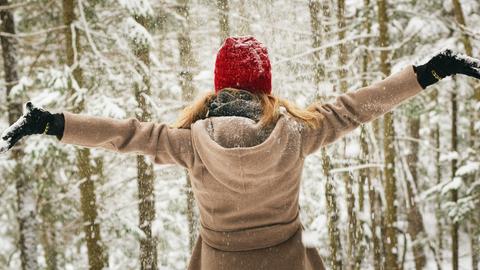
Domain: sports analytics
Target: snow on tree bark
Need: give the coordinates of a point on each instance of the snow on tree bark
(49, 234)
(223, 19)
(352, 227)
(438, 178)
(97, 258)
(145, 173)
(314, 7)
(25, 186)
(244, 28)
(364, 175)
(391, 247)
(334, 236)
(415, 229)
(474, 231)
(453, 193)
(188, 92)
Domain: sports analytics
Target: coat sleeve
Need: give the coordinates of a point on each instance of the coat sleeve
(351, 109)
(166, 145)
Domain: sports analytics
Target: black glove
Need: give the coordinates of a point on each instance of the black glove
(445, 64)
(33, 121)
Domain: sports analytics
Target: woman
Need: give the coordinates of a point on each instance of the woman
(244, 152)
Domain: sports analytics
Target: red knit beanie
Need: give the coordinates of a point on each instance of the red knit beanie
(242, 63)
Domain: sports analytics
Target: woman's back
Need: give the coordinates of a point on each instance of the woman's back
(246, 188)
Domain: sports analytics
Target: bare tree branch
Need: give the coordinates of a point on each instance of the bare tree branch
(31, 34)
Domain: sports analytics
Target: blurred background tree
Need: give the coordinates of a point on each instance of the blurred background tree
(399, 193)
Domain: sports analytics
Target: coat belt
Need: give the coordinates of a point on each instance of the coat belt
(251, 238)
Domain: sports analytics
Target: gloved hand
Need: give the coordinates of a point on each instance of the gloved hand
(33, 121)
(446, 63)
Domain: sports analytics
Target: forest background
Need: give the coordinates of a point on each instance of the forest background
(402, 192)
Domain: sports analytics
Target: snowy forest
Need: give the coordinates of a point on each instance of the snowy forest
(402, 192)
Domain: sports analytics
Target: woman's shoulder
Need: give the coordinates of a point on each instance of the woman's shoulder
(293, 122)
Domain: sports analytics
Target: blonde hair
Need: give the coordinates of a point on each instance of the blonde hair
(270, 110)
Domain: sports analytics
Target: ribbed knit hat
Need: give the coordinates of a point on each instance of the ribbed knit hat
(242, 63)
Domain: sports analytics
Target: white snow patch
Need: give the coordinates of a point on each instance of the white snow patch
(415, 25)
(137, 7)
(3, 146)
(325, 89)
(131, 228)
(137, 33)
(21, 121)
(449, 156)
(468, 168)
(158, 227)
(474, 63)
(455, 184)
(45, 98)
(28, 204)
(352, 149)
(108, 107)
(20, 87)
(204, 75)
(310, 239)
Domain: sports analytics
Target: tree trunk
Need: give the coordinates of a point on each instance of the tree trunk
(96, 257)
(25, 186)
(438, 177)
(391, 247)
(327, 14)
(364, 175)
(474, 233)
(457, 8)
(454, 194)
(374, 211)
(145, 173)
(318, 72)
(332, 212)
(244, 28)
(335, 247)
(342, 47)
(363, 132)
(188, 91)
(223, 10)
(474, 240)
(352, 229)
(415, 218)
(49, 233)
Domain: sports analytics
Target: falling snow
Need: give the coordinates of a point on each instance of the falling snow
(50, 210)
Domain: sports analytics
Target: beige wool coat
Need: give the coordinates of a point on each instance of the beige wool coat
(246, 188)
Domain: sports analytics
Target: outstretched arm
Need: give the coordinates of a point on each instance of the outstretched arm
(351, 109)
(366, 104)
(167, 145)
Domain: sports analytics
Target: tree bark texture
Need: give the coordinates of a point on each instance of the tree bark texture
(391, 247)
(188, 92)
(223, 19)
(97, 258)
(415, 228)
(475, 116)
(335, 245)
(25, 186)
(145, 173)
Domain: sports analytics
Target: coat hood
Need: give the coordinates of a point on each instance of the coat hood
(241, 154)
